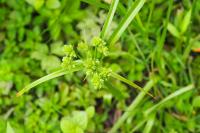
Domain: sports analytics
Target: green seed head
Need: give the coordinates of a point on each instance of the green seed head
(91, 64)
(97, 81)
(103, 50)
(105, 73)
(97, 41)
(66, 62)
(83, 47)
(69, 51)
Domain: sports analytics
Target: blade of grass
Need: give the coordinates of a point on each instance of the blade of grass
(171, 96)
(173, 30)
(114, 91)
(9, 129)
(186, 21)
(161, 39)
(132, 12)
(109, 18)
(46, 78)
(121, 10)
(138, 126)
(149, 124)
(117, 76)
(41, 80)
(131, 107)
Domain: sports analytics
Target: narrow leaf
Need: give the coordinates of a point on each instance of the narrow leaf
(9, 129)
(117, 76)
(132, 107)
(173, 30)
(186, 21)
(149, 124)
(114, 91)
(132, 12)
(109, 18)
(46, 78)
(171, 96)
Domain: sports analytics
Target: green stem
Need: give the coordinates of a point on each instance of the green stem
(131, 108)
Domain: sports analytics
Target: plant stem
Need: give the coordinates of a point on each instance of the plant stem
(131, 108)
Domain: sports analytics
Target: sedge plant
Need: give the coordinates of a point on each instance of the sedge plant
(88, 57)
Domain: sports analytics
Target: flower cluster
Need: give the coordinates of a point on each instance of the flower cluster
(100, 45)
(70, 54)
(96, 72)
(93, 67)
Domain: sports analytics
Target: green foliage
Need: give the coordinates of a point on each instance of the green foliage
(9, 129)
(93, 53)
(196, 102)
(77, 122)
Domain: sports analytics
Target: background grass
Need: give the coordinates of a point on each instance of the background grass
(159, 45)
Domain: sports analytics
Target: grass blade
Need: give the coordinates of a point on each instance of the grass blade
(109, 18)
(114, 91)
(41, 80)
(46, 78)
(173, 30)
(9, 129)
(117, 76)
(131, 108)
(138, 126)
(171, 96)
(186, 21)
(161, 39)
(149, 124)
(135, 8)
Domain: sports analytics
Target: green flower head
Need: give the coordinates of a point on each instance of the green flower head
(97, 41)
(97, 81)
(69, 51)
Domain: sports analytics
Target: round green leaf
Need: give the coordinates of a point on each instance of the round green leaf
(68, 126)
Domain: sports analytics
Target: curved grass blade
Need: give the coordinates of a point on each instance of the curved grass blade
(114, 91)
(132, 107)
(117, 76)
(109, 18)
(132, 12)
(171, 96)
(46, 78)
